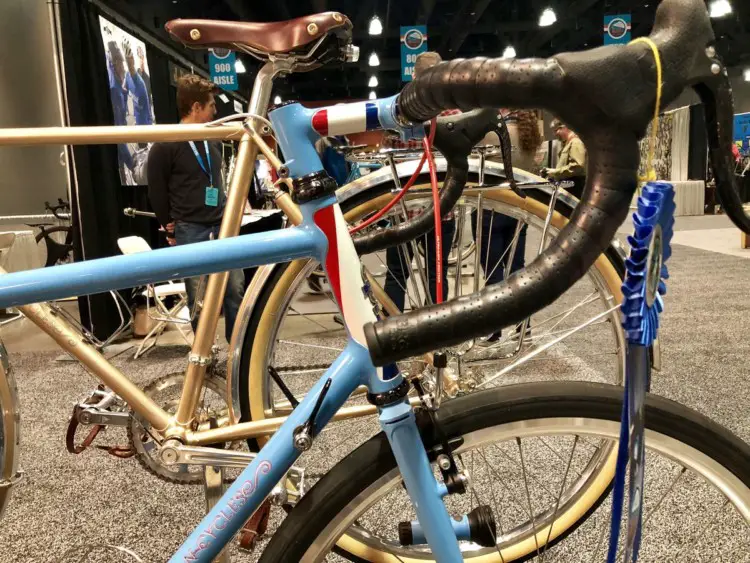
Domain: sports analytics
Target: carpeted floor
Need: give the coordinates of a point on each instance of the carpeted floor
(69, 501)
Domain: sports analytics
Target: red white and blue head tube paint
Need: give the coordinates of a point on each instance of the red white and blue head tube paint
(297, 128)
(346, 118)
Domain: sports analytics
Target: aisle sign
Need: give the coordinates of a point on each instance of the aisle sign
(223, 73)
(413, 43)
(617, 29)
(742, 131)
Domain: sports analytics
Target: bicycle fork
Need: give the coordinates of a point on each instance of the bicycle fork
(400, 427)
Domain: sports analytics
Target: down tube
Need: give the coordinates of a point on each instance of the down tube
(247, 493)
(133, 270)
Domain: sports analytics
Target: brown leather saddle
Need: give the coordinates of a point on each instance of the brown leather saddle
(272, 38)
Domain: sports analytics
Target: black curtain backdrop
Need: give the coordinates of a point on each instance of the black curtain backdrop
(98, 201)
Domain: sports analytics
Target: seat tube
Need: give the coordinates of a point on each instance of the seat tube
(399, 424)
(230, 227)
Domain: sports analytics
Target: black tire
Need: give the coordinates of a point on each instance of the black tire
(561, 207)
(477, 411)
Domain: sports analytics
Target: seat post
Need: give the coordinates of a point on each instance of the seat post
(261, 95)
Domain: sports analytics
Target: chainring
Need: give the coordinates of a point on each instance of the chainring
(166, 391)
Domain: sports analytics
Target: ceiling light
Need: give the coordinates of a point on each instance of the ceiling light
(547, 18)
(277, 100)
(509, 53)
(239, 66)
(746, 74)
(720, 8)
(373, 82)
(373, 95)
(374, 60)
(376, 27)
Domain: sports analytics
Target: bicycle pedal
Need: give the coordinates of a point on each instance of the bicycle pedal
(255, 527)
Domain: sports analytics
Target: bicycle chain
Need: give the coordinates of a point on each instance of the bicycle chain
(139, 457)
(308, 367)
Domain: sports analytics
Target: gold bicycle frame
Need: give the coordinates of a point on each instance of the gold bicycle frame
(71, 340)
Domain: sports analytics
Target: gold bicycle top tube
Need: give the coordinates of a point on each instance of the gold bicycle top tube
(113, 134)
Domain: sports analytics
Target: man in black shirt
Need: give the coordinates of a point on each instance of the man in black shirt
(186, 189)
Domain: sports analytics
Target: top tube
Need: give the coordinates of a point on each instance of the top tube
(298, 128)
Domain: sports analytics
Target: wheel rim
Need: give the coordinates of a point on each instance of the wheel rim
(603, 279)
(262, 401)
(681, 462)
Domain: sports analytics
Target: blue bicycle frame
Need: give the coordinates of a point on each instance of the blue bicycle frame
(323, 235)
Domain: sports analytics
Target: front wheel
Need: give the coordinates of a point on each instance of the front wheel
(530, 451)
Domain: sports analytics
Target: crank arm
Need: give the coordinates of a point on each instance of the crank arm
(289, 490)
(197, 455)
(103, 417)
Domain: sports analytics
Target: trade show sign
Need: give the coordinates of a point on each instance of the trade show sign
(223, 73)
(617, 29)
(742, 131)
(413, 43)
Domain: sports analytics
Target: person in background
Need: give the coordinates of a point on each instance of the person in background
(142, 72)
(138, 90)
(186, 188)
(526, 138)
(571, 162)
(118, 93)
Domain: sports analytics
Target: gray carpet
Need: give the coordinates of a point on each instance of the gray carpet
(70, 501)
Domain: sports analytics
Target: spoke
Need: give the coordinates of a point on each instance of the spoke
(502, 481)
(489, 243)
(513, 333)
(305, 345)
(742, 548)
(553, 450)
(559, 497)
(460, 221)
(308, 318)
(600, 541)
(489, 361)
(541, 484)
(538, 351)
(528, 495)
(399, 249)
(513, 243)
(494, 503)
(702, 532)
(594, 296)
(682, 472)
(535, 339)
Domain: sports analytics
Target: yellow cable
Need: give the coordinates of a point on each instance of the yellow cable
(650, 170)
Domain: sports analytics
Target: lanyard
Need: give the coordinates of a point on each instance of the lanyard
(200, 160)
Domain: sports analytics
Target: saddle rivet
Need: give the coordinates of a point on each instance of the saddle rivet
(195, 34)
(338, 17)
(312, 29)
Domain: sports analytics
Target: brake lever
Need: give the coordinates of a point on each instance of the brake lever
(506, 150)
(716, 96)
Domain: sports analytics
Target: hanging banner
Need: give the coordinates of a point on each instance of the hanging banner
(617, 29)
(223, 73)
(742, 131)
(413, 43)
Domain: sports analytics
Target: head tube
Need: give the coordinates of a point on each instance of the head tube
(298, 128)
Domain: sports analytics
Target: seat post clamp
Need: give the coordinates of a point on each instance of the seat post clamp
(199, 360)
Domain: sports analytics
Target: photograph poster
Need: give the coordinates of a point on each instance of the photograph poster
(130, 92)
